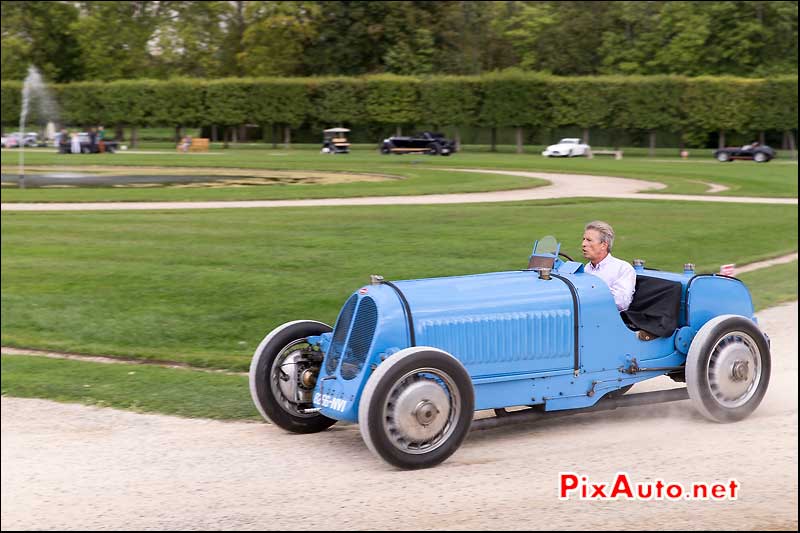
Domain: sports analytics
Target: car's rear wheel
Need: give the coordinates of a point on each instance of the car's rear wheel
(416, 408)
(760, 157)
(433, 149)
(284, 363)
(728, 368)
(385, 150)
(723, 157)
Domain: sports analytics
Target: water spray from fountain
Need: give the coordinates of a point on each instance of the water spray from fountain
(34, 92)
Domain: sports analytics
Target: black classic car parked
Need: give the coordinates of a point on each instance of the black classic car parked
(64, 145)
(760, 153)
(424, 143)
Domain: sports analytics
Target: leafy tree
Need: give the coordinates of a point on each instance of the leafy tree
(231, 45)
(40, 33)
(275, 37)
(522, 24)
(349, 39)
(188, 37)
(413, 56)
(114, 38)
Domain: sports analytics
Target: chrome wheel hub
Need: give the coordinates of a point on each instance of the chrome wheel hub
(734, 369)
(421, 410)
(292, 379)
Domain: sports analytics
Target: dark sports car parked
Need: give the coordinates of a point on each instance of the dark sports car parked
(757, 152)
(424, 143)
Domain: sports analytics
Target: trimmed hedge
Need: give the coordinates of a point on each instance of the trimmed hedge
(694, 106)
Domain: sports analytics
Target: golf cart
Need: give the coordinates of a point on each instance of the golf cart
(335, 141)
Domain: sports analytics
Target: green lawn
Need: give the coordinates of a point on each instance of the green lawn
(773, 285)
(203, 287)
(142, 388)
(777, 178)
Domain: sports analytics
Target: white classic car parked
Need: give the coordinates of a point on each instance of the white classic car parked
(567, 148)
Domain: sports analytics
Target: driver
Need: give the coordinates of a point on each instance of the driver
(598, 238)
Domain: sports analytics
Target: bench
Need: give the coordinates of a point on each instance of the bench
(616, 153)
(199, 144)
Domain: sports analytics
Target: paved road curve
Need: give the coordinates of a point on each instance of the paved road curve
(562, 186)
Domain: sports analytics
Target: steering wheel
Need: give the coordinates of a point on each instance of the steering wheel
(568, 258)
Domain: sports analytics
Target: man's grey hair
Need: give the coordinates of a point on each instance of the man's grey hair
(605, 230)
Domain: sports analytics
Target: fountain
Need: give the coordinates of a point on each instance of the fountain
(34, 92)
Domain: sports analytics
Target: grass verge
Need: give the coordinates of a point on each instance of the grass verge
(772, 285)
(140, 388)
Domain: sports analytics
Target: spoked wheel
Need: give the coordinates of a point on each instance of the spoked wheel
(283, 373)
(728, 368)
(723, 157)
(417, 407)
(760, 157)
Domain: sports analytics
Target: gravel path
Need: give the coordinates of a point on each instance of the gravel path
(562, 186)
(72, 467)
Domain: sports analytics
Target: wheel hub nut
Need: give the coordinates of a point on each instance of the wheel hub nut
(308, 378)
(426, 412)
(740, 371)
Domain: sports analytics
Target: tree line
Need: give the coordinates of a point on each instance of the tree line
(694, 107)
(87, 40)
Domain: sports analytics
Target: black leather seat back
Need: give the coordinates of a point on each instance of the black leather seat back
(656, 306)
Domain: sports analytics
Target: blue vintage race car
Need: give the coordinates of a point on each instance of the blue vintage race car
(411, 361)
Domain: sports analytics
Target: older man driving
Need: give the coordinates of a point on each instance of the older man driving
(598, 239)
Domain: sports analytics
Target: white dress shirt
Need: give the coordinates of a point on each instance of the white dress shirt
(619, 276)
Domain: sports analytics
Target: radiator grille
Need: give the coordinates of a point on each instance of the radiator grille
(340, 335)
(360, 338)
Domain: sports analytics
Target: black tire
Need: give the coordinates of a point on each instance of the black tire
(723, 157)
(760, 157)
(412, 385)
(266, 394)
(434, 149)
(385, 150)
(728, 368)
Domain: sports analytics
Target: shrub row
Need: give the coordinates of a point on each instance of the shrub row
(693, 106)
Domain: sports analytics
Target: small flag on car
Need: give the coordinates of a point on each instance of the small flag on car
(727, 270)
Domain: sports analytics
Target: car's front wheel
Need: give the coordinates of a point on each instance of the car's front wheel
(283, 373)
(728, 368)
(723, 157)
(416, 408)
(760, 157)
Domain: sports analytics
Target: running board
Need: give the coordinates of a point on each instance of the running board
(606, 404)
